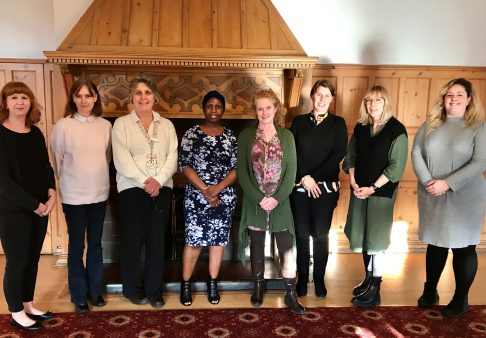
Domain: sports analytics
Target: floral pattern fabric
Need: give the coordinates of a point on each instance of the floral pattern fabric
(266, 158)
(212, 157)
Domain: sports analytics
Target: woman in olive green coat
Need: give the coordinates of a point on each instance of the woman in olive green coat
(266, 172)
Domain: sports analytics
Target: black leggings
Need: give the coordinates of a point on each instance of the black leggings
(464, 264)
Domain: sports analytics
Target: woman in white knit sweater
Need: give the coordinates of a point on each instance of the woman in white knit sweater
(81, 143)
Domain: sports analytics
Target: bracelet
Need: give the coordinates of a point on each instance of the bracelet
(374, 187)
(207, 187)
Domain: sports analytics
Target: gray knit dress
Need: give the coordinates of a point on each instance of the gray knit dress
(457, 154)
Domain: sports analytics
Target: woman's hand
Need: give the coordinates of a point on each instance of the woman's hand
(268, 203)
(311, 186)
(364, 192)
(437, 187)
(50, 205)
(152, 187)
(41, 209)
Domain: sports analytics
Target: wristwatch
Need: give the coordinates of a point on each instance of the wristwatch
(374, 187)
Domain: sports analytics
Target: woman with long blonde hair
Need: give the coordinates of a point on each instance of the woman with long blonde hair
(449, 157)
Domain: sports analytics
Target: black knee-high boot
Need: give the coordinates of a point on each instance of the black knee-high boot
(257, 257)
(291, 297)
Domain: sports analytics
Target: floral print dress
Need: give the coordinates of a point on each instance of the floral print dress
(266, 158)
(212, 157)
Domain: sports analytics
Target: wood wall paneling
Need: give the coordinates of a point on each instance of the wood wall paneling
(414, 91)
(199, 18)
(170, 23)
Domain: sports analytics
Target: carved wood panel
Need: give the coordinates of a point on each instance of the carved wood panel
(182, 92)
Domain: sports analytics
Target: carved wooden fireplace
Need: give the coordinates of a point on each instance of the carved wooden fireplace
(189, 47)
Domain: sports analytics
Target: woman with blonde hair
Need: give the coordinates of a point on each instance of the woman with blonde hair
(266, 172)
(375, 161)
(449, 157)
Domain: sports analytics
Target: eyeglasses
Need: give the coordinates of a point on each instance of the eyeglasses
(378, 100)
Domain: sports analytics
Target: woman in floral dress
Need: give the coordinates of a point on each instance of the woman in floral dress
(208, 161)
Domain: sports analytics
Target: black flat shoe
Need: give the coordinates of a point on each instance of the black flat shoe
(44, 316)
(97, 301)
(81, 308)
(157, 302)
(34, 327)
(139, 301)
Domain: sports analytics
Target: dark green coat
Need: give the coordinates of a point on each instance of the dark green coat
(252, 214)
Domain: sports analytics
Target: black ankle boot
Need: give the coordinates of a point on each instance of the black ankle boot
(212, 289)
(429, 296)
(458, 307)
(291, 297)
(319, 286)
(301, 287)
(185, 293)
(360, 288)
(371, 296)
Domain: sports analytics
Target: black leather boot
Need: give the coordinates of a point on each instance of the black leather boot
(429, 297)
(185, 293)
(291, 297)
(301, 287)
(371, 296)
(257, 257)
(212, 289)
(360, 288)
(458, 307)
(319, 286)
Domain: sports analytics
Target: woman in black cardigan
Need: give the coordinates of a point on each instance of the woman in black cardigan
(27, 196)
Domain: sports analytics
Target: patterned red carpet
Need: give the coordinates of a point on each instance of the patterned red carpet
(379, 322)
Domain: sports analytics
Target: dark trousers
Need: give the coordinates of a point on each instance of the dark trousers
(144, 220)
(312, 217)
(22, 234)
(85, 220)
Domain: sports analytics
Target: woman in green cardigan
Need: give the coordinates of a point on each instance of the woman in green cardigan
(266, 172)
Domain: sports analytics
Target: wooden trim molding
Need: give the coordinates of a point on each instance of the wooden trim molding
(271, 62)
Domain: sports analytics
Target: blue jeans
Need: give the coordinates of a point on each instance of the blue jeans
(84, 219)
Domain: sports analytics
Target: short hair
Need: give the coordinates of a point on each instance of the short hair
(71, 107)
(149, 82)
(364, 117)
(323, 83)
(270, 94)
(213, 94)
(474, 109)
(17, 87)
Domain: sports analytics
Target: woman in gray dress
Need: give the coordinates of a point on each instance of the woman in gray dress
(449, 157)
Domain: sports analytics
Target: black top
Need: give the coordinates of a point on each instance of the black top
(320, 148)
(26, 174)
(372, 154)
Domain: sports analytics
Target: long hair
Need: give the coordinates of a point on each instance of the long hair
(474, 109)
(71, 108)
(364, 117)
(16, 87)
(148, 81)
(267, 93)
